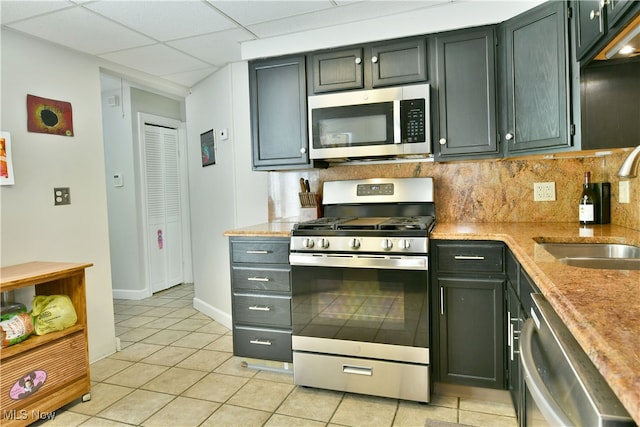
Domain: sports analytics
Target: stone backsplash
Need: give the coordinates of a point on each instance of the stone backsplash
(482, 191)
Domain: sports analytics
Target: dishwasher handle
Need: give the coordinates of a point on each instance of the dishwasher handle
(549, 408)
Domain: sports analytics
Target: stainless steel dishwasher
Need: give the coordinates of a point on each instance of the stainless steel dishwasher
(562, 386)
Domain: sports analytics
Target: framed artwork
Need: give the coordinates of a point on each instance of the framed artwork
(6, 165)
(207, 148)
(49, 116)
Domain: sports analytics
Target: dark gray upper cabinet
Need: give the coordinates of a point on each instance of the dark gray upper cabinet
(387, 63)
(589, 25)
(278, 100)
(597, 22)
(466, 87)
(536, 81)
(616, 9)
(399, 62)
(338, 70)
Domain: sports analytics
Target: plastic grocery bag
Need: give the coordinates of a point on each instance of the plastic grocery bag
(52, 313)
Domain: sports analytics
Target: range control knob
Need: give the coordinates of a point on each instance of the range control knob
(307, 243)
(404, 244)
(386, 244)
(323, 243)
(354, 244)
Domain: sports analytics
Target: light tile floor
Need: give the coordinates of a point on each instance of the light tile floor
(176, 368)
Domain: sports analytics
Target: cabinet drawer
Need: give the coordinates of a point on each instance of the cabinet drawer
(265, 252)
(259, 343)
(262, 310)
(473, 257)
(49, 368)
(261, 278)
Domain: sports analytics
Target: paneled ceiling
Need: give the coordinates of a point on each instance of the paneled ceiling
(185, 41)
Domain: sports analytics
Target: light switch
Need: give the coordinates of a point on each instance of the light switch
(224, 134)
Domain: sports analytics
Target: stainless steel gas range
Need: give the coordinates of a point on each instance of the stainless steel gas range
(360, 306)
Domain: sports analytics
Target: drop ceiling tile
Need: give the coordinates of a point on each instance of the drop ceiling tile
(157, 60)
(352, 12)
(190, 78)
(165, 20)
(82, 30)
(11, 10)
(218, 48)
(253, 12)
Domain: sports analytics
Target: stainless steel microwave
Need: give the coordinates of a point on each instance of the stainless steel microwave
(392, 122)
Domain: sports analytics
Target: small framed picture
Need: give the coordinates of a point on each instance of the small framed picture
(6, 164)
(207, 148)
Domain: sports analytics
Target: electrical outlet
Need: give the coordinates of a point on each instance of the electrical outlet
(623, 188)
(544, 191)
(61, 196)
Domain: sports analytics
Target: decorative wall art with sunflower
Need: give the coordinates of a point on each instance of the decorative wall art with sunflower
(49, 116)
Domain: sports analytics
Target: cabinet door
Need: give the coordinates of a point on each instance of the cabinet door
(279, 113)
(466, 84)
(589, 25)
(616, 9)
(471, 331)
(399, 62)
(337, 70)
(537, 80)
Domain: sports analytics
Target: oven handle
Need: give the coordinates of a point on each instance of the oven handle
(549, 408)
(418, 262)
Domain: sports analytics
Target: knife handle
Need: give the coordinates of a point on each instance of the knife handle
(303, 187)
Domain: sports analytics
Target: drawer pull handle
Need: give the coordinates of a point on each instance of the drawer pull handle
(260, 342)
(257, 252)
(260, 308)
(357, 370)
(258, 279)
(469, 257)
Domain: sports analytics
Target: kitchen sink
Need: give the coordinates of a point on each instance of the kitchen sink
(613, 256)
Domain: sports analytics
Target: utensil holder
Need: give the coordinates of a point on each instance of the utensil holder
(310, 206)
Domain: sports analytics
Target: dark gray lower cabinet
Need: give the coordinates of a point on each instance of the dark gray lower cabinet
(469, 312)
(261, 298)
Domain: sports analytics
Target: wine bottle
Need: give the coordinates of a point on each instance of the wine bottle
(587, 202)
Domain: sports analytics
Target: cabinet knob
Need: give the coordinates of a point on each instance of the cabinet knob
(358, 61)
(443, 141)
(594, 14)
(508, 136)
(374, 59)
(303, 150)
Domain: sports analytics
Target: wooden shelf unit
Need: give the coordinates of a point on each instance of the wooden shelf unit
(63, 355)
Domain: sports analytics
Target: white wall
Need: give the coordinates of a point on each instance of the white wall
(226, 195)
(32, 228)
(121, 148)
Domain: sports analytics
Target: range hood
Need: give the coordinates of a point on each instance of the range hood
(625, 45)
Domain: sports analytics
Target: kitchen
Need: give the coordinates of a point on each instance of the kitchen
(31, 236)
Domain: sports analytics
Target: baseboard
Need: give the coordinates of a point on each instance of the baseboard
(129, 294)
(213, 312)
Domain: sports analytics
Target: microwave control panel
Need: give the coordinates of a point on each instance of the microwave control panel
(412, 113)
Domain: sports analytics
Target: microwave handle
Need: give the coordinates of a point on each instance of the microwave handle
(397, 127)
(548, 406)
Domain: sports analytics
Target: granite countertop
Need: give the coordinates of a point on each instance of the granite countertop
(268, 229)
(600, 307)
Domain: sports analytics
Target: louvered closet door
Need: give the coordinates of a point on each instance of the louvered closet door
(164, 216)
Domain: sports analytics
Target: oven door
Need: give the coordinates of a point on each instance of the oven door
(381, 303)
